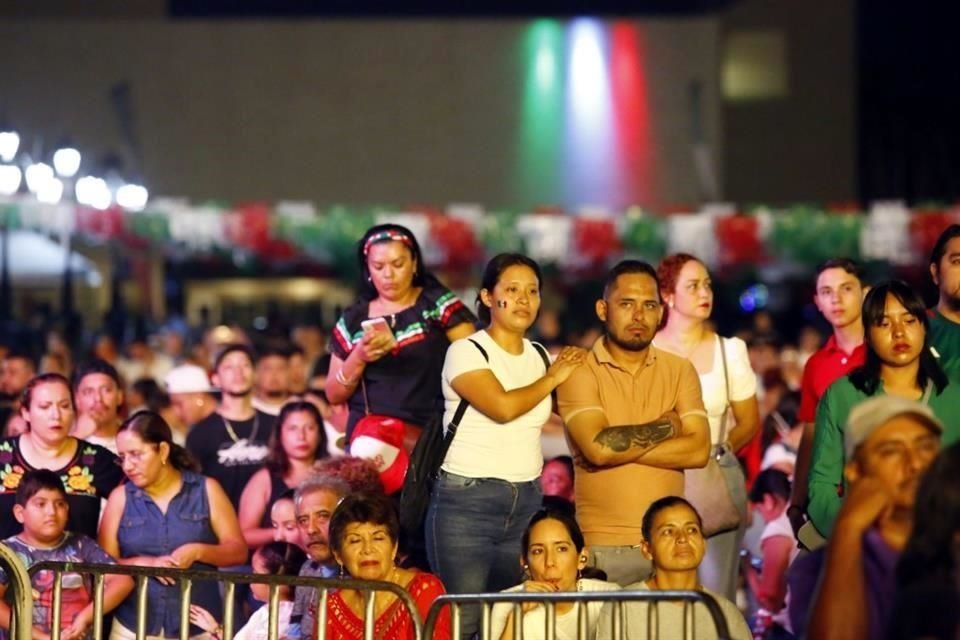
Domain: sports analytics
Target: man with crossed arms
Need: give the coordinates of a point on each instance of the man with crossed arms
(635, 420)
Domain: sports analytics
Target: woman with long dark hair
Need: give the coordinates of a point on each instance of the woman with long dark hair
(388, 347)
(297, 442)
(167, 515)
(898, 362)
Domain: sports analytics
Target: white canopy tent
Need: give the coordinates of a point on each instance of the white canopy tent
(38, 261)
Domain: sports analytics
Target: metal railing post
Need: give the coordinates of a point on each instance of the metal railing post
(21, 591)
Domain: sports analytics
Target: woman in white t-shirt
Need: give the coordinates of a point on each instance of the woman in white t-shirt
(488, 486)
(770, 496)
(553, 555)
(722, 364)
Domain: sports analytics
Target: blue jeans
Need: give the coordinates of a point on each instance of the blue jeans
(473, 530)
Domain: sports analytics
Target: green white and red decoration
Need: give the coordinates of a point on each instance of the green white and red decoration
(462, 236)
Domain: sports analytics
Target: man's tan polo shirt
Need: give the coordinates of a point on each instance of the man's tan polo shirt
(611, 501)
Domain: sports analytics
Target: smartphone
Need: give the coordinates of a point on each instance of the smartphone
(377, 325)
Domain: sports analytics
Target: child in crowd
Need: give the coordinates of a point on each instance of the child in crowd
(272, 559)
(41, 507)
(283, 519)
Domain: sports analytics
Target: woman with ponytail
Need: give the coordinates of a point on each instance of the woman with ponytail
(167, 515)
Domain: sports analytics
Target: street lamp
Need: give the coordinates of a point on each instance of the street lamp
(50, 191)
(93, 192)
(66, 161)
(9, 143)
(132, 197)
(10, 178)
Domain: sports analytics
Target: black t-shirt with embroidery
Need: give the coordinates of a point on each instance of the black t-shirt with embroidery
(405, 383)
(231, 458)
(90, 475)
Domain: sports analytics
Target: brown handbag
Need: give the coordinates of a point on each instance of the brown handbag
(706, 488)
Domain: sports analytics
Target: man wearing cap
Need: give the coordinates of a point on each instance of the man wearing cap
(889, 442)
(191, 396)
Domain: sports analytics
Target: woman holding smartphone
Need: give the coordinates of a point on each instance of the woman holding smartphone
(388, 347)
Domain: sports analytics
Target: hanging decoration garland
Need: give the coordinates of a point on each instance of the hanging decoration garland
(465, 236)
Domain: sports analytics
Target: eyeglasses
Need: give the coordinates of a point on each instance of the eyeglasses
(133, 456)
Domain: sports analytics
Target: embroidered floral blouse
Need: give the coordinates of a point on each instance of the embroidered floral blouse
(90, 475)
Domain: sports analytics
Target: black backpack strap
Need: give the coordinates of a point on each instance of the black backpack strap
(543, 354)
(462, 407)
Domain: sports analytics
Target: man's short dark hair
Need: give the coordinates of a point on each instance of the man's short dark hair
(233, 348)
(272, 351)
(95, 366)
(627, 267)
(940, 248)
(36, 480)
(16, 353)
(849, 265)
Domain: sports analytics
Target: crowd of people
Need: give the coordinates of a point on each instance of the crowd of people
(808, 490)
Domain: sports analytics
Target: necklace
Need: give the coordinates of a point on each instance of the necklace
(233, 434)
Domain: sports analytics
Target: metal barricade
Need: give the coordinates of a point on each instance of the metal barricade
(616, 599)
(186, 578)
(20, 591)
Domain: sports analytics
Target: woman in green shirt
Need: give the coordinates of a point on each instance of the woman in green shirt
(898, 362)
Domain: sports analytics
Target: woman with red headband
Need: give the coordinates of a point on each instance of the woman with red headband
(388, 348)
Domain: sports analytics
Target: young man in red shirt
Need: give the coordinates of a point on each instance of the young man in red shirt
(839, 297)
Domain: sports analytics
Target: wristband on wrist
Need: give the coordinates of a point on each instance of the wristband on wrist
(342, 379)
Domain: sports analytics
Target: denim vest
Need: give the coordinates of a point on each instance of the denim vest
(145, 531)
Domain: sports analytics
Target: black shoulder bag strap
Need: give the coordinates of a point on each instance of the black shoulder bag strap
(543, 354)
(462, 407)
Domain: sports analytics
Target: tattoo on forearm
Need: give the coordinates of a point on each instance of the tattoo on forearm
(635, 436)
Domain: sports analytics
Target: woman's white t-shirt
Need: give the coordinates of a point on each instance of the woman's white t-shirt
(483, 448)
(534, 621)
(743, 383)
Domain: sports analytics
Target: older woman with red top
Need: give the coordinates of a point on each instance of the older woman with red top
(364, 531)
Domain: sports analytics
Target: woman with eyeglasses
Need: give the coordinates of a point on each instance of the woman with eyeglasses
(89, 471)
(166, 516)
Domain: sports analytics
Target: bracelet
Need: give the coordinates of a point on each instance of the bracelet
(218, 632)
(342, 379)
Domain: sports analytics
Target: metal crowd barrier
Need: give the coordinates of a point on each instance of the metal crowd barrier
(22, 595)
(18, 585)
(580, 599)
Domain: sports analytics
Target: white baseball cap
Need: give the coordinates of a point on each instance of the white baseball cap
(188, 378)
